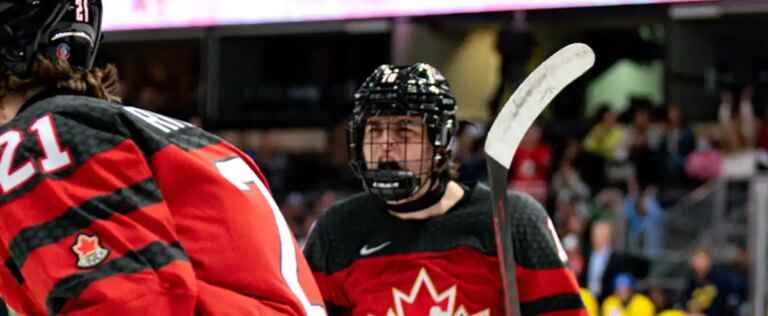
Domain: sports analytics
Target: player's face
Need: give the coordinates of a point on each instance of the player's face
(400, 140)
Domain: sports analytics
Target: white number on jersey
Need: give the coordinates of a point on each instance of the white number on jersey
(560, 250)
(242, 177)
(55, 157)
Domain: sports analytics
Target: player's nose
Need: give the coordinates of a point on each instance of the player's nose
(386, 153)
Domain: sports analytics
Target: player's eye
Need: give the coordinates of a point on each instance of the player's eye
(409, 128)
(404, 131)
(374, 130)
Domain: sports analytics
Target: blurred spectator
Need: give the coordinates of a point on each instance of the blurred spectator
(740, 135)
(645, 224)
(739, 268)
(677, 142)
(762, 141)
(674, 312)
(153, 97)
(589, 302)
(642, 129)
(599, 259)
(762, 136)
(642, 140)
(663, 300)
(739, 127)
(469, 153)
(705, 163)
(294, 209)
(530, 167)
(164, 78)
(326, 200)
(570, 221)
(605, 138)
(263, 149)
(604, 263)
(711, 290)
(566, 181)
(658, 295)
(572, 247)
(154, 92)
(606, 204)
(625, 301)
(323, 201)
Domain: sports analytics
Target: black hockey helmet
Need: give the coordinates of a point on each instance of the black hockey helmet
(60, 30)
(414, 90)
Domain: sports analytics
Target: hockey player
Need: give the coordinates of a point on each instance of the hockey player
(112, 210)
(417, 242)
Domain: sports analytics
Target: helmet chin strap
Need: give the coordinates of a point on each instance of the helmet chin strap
(431, 197)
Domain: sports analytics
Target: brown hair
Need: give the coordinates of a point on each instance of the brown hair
(100, 83)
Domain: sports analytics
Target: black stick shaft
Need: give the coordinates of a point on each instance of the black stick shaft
(497, 177)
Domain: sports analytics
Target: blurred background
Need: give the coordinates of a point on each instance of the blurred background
(652, 165)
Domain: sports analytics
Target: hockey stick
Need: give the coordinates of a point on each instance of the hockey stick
(514, 119)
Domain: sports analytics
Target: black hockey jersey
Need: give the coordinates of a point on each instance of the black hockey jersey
(368, 262)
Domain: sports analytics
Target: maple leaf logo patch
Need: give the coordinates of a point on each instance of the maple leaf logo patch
(89, 251)
(424, 297)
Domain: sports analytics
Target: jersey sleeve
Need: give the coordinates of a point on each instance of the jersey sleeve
(85, 228)
(246, 259)
(546, 286)
(331, 283)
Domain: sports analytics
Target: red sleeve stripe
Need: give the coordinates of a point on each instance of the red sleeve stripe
(122, 201)
(154, 256)
(552, 304)
(540, 283)
(102, 174)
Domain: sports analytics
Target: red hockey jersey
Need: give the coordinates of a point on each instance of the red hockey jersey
(529, 171)
(370, 263)
(111, 210)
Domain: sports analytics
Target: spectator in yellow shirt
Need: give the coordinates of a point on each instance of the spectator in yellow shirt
(606, 138)
(625, 302)
(672, 312)
(589, 302)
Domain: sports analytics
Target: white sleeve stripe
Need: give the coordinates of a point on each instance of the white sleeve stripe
(288, 262)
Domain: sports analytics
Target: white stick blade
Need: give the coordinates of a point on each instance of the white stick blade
(532, 96)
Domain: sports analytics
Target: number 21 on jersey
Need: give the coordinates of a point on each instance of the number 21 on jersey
(55, 157)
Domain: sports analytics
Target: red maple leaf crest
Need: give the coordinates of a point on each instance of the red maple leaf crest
(425, 299)
(86, 245)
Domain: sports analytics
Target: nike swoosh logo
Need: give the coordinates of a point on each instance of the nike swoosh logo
(367, 251)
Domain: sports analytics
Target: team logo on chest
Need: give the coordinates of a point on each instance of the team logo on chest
(424, 299)
(88, 251)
